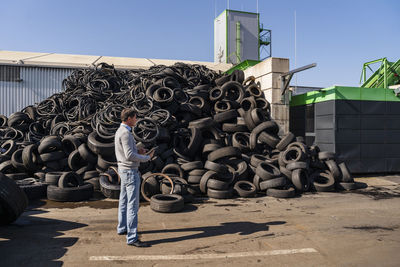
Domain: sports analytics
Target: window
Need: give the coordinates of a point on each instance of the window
(10, 74)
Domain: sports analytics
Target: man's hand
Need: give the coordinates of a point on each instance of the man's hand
(151, 154)
(142, 151)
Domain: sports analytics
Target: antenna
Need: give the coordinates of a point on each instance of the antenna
(215, 9)
(295, 47)
(257, 6)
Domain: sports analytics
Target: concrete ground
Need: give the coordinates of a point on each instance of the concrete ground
(359, 228)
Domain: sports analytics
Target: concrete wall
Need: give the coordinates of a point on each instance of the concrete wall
(268, 74)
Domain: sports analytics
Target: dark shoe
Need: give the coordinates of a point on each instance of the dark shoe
(123, 233)
(139, 244)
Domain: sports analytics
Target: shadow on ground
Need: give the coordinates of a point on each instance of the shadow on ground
(241, 228)
(33, 241)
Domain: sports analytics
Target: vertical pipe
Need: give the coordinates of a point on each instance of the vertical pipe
(238, 56)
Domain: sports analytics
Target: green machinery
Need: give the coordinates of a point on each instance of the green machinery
(387, 74)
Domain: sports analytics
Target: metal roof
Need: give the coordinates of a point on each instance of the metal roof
(85, 61)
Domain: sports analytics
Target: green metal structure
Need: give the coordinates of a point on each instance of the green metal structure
(344, 93)
(387, 74)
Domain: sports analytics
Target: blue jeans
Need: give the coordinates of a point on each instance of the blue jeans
(129, 204)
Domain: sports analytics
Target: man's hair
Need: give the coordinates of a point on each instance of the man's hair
(127, 113)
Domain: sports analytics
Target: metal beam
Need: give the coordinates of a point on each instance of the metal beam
(286, 77)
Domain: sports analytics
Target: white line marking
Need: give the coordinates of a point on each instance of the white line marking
(202, 256)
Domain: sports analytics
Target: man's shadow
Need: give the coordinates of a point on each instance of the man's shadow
(241, 228)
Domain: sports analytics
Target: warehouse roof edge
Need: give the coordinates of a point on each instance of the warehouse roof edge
(55, 60)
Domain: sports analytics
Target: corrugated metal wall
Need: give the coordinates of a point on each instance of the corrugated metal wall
(35, 84)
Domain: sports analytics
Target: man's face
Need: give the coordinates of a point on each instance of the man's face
(131, 121)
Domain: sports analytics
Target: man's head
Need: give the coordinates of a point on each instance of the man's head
(128, 116)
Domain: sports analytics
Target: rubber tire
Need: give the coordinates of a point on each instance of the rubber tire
(327, 185)
(267, 171)
(273, 183)
(297, 165)
(300, 180)
(285, 141)
(51, 178)
(245, 192)
(108, 189)
(167, 203)
(346, 175)
(68, 177)
(281, 193)
(13, 201)
(220, 194)
(70, 194)
(228, 151)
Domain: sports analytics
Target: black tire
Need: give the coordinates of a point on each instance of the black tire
(16, 160)
(34, 191)
(226, 116)
(256, 159)
(266, 126)
(174, 169)
(220, 194)
(167, 203)
(281, 193)
(323, 182)
(217, 184)
(346, 175)
(70, 179)
(204, 180)
(286, 172)
(70, 194)
(9, 146)
(49, 144)
(75, 160)
(108, 189)
(13, 201)
(52, 178)
(233, 127)
(268, 139)
(297, 165)
(245, 189)
(197, 172)
(104, 163)
(273, 183)
(334, 169)
(192, 165)
(70, 143)
(99, 146)
(7, 167)
(30, 157)
(86, 154)
(216, 167)
(292, 154)
(52, 156)
(228, 151)
(90, 174)
(285, 141)
(95, 182)
(267, 171)
(300, 180)
(194, 179)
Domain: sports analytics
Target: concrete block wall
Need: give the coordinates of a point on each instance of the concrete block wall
(268, 73)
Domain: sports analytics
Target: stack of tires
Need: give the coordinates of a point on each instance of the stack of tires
(67, 187)
(212, 134)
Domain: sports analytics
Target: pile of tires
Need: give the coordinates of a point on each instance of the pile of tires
(212, 134)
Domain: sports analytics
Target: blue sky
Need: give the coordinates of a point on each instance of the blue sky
(338, 35)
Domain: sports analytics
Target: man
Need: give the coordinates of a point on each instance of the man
(129, 159)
